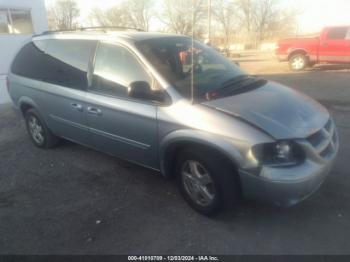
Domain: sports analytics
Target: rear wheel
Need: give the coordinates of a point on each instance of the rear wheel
(206, 181)
(298, 62)
(39, 133)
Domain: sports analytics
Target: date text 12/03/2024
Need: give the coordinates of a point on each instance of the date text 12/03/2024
(173, 258)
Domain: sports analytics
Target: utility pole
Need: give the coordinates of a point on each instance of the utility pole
(192, 56)
(209, 21)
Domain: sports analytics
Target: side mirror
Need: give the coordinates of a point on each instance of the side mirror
(140, 90)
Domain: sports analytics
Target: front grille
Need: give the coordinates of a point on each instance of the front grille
(324, 141)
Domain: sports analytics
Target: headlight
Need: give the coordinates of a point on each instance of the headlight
(278, 153)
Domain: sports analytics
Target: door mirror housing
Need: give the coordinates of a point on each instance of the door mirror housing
(142, 90)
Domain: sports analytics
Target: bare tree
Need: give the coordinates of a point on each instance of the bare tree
(131, 13)
(63, 15)
(271, 20)
(265, 13)
(246, 8)
(139, 12)
(264, 19)
(177, 15)
(284, 24)
(225, 14)
(114, 16)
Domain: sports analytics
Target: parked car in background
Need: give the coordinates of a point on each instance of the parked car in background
(223, 134)
(332, 46)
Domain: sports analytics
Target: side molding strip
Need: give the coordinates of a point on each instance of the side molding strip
(102, 133)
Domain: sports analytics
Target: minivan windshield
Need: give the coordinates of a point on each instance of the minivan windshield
(172, 57)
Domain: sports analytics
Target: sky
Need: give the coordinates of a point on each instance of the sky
(313, 14)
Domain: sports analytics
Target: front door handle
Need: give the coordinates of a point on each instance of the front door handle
(77, 106)
(94, 111)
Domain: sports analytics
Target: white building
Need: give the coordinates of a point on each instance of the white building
(19, 20)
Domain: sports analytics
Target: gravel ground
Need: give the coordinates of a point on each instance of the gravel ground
(73, 200)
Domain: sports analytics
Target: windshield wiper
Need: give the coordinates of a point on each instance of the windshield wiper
(236, 85)
(236, 80)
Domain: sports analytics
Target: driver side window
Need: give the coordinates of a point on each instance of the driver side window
(115, 68)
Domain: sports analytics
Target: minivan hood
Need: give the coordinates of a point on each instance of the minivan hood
(278, 110)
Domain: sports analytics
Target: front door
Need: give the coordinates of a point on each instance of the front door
(335, 46)
(119, 125)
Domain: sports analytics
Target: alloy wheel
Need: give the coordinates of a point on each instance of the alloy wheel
(198, 183)
(298, 63)
(36, 130)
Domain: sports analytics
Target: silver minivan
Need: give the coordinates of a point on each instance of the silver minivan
(176, 106)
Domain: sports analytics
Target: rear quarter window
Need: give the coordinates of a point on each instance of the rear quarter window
(62, 62)
(30, 60)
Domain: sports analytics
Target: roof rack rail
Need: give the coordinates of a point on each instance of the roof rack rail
(109, 28)
(92, 28)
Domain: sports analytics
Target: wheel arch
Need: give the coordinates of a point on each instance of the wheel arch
(177, 141)
(26, 103)
(297, 51)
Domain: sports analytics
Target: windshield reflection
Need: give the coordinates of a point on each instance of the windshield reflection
(172, 57)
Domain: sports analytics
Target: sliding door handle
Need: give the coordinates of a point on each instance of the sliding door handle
(77, 106)
(94, 111)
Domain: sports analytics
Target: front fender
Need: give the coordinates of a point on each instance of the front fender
(233, 150)
(308, 52)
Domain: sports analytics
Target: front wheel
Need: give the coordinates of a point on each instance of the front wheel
(298, 62)
(207, 182)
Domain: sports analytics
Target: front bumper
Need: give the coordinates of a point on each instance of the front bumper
(286, 186)
(301, 182)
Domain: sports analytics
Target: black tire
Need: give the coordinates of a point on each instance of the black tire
(298, 62)
(49, 140)
(225, 183)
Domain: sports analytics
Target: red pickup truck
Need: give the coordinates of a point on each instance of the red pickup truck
(332, 46)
